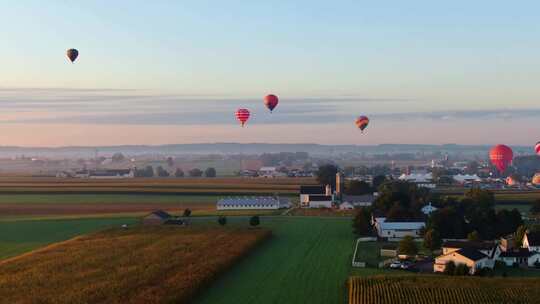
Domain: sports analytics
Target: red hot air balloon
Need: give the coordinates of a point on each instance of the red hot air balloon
(501, 156)
(362, 123)
(242, 115)
(271, 101)
(72, 54)
(537, 148)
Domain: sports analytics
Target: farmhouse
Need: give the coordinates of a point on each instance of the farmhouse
(490, 249)
(316, 196)
(112, 173)
(253, 203)
(474, 259)
(157, 217)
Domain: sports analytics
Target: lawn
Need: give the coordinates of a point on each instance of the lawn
(307, 260)
(21, 236)
(160, 264)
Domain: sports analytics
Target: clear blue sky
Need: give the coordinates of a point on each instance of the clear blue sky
(416, 56)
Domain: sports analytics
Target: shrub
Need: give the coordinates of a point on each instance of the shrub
(222, 220)
(450, 268)
(254, 221)
(187, 212)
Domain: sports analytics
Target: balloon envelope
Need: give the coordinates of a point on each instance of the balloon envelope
(537, 148)
(271, 101)
(242, 115)
(72, 54)
(362, 122)
(501, 156)
(536, 179)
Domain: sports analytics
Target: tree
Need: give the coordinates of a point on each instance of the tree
(473, 236)
(196, 172)
(162, 172)
(222, 220)
(450, 268)
(377, 181)
(170, 161)
(397, 212)
(179, 173)
(254, 221)
(187, 212)
(148, 171)
(118, 157)
(535, 208)
(432, 240)
(326, 175)
(210, 172)
(407, 246)
(361, 222)
(357, 188)
(520, 233)
(462, 269)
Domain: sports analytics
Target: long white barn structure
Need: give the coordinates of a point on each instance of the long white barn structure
(253, 203)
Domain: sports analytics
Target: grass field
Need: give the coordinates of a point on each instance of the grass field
(306, 261)
(441, 289)
(21, 236)
(162, 264)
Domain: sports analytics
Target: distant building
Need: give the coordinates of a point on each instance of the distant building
(466, 178)
(364, 200)
(520, 257)
(253, 203)
(105, 173)
(270, 172)
(420, 179)
(346, 206)
(531, 241)
(157, 217)
(428, 209)
(396, 229)
(316, 197)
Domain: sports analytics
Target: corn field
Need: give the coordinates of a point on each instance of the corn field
(441, 290)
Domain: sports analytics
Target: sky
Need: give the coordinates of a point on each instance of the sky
(164, 72)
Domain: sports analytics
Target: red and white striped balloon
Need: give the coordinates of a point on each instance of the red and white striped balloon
(537, 148)
(242, 115)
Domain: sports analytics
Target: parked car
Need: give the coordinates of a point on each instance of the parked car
(395, 265)
(406, 265)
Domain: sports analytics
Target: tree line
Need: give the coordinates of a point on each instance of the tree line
(159, 171)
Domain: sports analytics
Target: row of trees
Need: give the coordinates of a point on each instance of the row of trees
(149, 171)
(254, 221)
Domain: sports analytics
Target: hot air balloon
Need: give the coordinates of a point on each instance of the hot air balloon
(242, 115)
(72, 54)
(362, 123)
(271, 101)
(537, 148)
(536, 179)
(501, 156)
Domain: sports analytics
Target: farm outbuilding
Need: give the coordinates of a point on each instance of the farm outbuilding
(157, 217)
(253, 203)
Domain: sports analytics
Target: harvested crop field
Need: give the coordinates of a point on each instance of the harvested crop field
(442, 289)
(138, 265)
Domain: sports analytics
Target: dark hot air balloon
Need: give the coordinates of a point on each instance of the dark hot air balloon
(537, 148)
(242, 115)
(362, 123)
(501, 156)
(72, 54)
(271, 101)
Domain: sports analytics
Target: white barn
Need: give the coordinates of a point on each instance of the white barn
(398, 230)
(253, 203)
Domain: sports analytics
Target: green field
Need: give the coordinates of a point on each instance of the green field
(17, 237)
(308, 260)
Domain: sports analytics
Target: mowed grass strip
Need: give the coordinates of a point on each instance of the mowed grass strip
(442, 289)
(138, 265)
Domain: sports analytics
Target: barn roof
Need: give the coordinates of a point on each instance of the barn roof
(312, 190)
(471, 254)
(478, 245)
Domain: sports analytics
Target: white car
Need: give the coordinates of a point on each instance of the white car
(395, 265)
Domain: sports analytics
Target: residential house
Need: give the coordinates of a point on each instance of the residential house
(474, 259)
(520, 257)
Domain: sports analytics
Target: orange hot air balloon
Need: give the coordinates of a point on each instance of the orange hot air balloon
(271, 101)
(536, 179)
(242, 115)
(362, 122)
(501, 156)
(72, 54)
